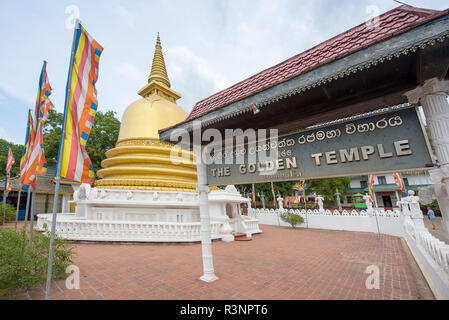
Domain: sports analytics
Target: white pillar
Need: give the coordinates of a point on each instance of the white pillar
(206, 242)
(64, 203)
(433, 98)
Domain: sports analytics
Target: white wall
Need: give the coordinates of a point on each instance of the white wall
(385, 222)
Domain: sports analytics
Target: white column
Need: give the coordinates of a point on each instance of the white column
(433, 98)
(206, 242)
(64, 203)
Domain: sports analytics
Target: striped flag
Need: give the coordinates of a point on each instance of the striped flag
(399, 181)
(370, 187)
(43, 103)
(36, 162)
(254, 194)
(9, 163)
(8, 186)
(272, 190)
(81, 106)
(27, 149)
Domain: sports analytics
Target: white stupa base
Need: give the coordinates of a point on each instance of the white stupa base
(149, 216)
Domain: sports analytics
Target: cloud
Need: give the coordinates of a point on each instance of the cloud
(194, 77)
(124, 15)
(5, 135)
(130, 80)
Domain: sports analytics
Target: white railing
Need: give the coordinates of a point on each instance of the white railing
(436, 249)
(89, 230)
(431, 253)
(378, 221)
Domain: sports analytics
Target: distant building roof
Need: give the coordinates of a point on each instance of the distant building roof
(390, 24)
(45, 184)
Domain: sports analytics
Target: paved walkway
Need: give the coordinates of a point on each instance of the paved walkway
(439, 231)
(281, 263)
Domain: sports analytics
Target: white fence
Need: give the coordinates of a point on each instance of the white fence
(69, 227)
(378, 221)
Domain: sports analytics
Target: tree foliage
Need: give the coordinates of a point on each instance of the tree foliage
(284, 188)
(102, 137)
(17, 152)
(328, 187)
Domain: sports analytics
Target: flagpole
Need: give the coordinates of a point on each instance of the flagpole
(44, 71)
(18, 206)
(4, 200)
(6, 185)
(58, 167)
(32, 218)
(26, 212)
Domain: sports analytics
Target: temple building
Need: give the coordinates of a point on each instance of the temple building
(147, 191)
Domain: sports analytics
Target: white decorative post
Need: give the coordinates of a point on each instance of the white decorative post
(433, 98)
(369, 204)
(320, 199)
(280, 202)
(206, 242)
(416, 213)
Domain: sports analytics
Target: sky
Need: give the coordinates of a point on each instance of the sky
(208, 45)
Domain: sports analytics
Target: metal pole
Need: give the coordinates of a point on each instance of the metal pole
(4, 205)
(26, 209)
(18, 206)
(58, 169)
(377, 222)
(32, 218)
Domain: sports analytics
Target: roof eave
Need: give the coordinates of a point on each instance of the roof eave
(409, 41)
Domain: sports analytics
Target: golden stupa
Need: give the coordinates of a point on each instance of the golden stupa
(140, 161)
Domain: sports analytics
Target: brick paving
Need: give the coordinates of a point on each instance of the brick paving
(281, 263)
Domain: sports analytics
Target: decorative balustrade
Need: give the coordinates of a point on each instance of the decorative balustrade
(437, 249)
(375, 220)
(126, 231)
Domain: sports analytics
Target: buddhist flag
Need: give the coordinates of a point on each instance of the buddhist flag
(81, 106)
(36, 162)
(254, 194)
(399, 181)
(27, 148)
(272, 190)
(9, 163)
(370, 187)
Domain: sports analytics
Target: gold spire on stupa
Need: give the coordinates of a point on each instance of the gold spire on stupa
(158, 70)
(140, 161)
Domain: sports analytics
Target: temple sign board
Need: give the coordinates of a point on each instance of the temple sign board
(380, 143)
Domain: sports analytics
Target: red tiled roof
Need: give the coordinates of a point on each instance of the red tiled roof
(391, 23)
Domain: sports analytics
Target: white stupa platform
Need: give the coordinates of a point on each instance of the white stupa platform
(149, 216)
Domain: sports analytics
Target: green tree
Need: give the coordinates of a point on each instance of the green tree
(328, 187)
(284, 188)
(17, 152)
(102, 137)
